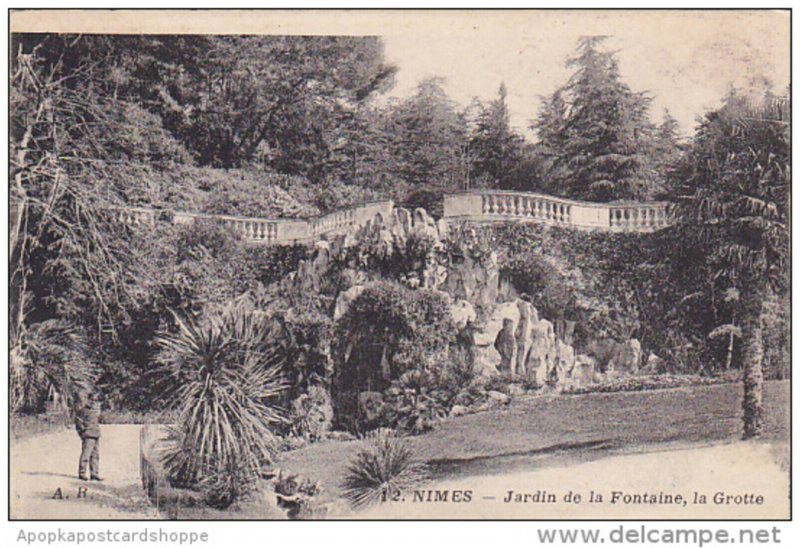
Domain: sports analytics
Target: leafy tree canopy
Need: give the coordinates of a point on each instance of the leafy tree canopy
(596, 132)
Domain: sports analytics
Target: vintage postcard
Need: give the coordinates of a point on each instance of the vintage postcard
(399, 264)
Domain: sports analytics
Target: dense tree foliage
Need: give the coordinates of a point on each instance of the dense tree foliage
(494, 147)
(596, 132)
(429, 138)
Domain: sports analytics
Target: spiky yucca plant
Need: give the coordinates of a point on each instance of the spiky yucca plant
(228, 375)
(382, 470)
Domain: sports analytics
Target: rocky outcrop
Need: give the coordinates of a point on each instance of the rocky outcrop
(632, 356)
(565, 360)
(475, 280)
(345, 299)
(621, 358)
(540, 360)
(583, 370)
(514, 340)
(653, 365)
(627, 358)
(508, 335)
(463, 313)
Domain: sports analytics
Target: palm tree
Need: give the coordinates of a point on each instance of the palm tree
(227, 376)
(49, 357)
(735, 179)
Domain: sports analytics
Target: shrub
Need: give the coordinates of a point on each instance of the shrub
(227, 377)
(415, 403)
(312, 414)
(393, 256)
(382, 470)
(296, 495)
(250, 193)
(272, 263)
(335, 194)
(387, 330)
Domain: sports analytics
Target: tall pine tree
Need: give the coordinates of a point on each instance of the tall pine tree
(494, 147)
(596, 132)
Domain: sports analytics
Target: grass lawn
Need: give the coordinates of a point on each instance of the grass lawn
(533, 432)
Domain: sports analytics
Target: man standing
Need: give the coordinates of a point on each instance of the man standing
(87, 423)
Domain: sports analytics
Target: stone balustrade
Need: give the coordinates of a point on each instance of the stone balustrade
(269, 231)
(639, 217)
(502, 206)
(485, 206)
(135, 216)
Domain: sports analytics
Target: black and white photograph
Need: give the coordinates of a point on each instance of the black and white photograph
(460, 264)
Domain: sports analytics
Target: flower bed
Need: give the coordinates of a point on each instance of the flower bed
(649, 382)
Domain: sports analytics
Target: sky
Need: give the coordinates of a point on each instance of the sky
(686, 61)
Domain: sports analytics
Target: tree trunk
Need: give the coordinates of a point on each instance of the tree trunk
(753, 375)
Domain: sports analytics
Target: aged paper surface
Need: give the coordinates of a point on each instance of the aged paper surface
(687, 62)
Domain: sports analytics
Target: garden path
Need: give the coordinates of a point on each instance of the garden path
(42, 465)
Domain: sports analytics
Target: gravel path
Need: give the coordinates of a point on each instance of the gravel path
(42, 465)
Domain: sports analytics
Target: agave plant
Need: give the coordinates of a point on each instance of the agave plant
(228, 374)
(382, 470)
(50, 356)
